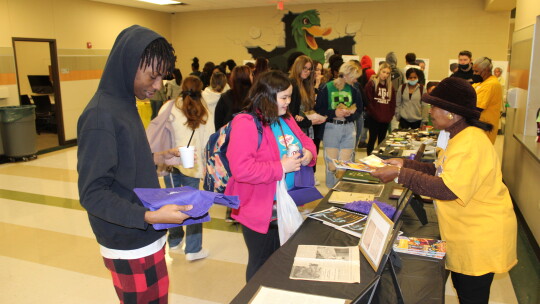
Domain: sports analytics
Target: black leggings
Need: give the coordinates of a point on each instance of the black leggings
(377, 132)
(472, 289)
(317, 143)
(260, 247)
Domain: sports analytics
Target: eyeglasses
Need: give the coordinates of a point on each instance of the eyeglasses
(306, 69)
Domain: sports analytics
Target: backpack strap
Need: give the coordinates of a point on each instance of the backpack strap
(421, 89)
(258, 124)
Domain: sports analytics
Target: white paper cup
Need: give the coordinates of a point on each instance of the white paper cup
(188, 156)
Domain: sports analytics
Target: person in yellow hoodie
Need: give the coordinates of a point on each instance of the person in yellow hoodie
(474, 208)
(489, 95)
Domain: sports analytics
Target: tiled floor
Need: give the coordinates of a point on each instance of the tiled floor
(49, 254)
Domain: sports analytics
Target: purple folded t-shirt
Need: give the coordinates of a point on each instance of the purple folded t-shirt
(365, 206)
(154, 199)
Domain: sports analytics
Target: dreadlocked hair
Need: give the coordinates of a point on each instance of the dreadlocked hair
(162, 52)
(192, 105)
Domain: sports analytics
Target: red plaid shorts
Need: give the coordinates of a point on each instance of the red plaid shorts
(143, 280)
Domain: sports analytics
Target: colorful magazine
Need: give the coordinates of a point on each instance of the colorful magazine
(421, 246)
(347, 165)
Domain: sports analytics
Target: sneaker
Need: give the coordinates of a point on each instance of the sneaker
(230, 220)
(362, 145)
(179, 246)
(197, 255)
(317, 183)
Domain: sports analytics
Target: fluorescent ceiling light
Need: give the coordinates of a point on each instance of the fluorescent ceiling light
(161, 2)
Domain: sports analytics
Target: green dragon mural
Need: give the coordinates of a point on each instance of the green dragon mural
(303, 33)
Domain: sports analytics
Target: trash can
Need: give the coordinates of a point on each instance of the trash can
(18, 130)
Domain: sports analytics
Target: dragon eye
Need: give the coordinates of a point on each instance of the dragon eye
(305, 21)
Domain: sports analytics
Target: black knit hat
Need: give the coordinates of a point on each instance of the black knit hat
(454, 95)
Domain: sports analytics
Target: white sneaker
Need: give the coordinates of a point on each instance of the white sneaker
(317, 182)
(197, 255)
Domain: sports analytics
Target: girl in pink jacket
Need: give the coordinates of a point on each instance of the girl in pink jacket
(257, 169)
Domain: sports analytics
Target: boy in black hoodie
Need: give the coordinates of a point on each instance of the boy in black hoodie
(114, 158)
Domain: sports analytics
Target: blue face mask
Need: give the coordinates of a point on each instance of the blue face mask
(413, 82)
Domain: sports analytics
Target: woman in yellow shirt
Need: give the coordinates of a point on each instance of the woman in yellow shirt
(474, 209)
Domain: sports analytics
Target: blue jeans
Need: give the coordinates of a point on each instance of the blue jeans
(194, 232)
(361, 134)
(339, 143)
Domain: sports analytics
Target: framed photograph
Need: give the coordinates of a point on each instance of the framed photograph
(374, 240)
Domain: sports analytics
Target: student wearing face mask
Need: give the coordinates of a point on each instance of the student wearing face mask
(465, 70)
(489, 95)
(381, 105)
(410, 110)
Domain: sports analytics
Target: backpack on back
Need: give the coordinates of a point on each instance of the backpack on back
(160, 132)
(216, 165)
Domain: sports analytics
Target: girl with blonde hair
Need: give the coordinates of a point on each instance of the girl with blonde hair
(341, 103)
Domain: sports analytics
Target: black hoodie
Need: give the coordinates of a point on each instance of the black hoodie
(113, 154)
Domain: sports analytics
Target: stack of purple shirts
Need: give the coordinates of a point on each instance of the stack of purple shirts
(154, 199)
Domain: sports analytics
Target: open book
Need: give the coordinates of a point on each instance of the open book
(327, 264)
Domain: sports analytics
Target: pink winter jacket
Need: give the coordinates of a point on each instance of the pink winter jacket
(255, 172)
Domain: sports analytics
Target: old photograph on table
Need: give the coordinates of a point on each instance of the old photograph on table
(375, 236)
(327, 264)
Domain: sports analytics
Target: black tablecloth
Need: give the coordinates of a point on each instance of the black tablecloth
(422, 279)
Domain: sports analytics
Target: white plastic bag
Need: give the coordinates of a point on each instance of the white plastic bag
(288, 216)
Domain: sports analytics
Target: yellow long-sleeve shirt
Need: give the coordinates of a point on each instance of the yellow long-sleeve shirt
(480, 226)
